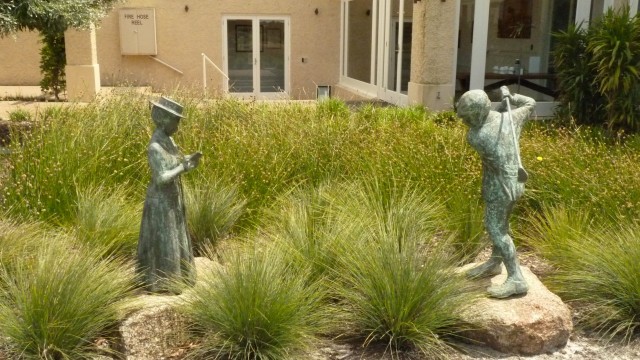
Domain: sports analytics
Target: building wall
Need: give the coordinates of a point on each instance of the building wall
(182, 36)
(20, 59)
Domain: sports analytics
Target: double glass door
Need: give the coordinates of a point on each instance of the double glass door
(257, 56)
(376, 38)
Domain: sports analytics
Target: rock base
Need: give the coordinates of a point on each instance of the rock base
(155, 330)
(535, 323)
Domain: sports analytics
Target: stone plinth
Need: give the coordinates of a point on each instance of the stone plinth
(535, 323)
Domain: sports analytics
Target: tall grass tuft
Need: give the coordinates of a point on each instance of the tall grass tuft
(308, 228)
(395, 276)
(54, 306)
(596, 267)
(256, 307)
(466, 224)
(19, 240)
(77, 147)
(213, 210)
(106, 219)
(555, 230)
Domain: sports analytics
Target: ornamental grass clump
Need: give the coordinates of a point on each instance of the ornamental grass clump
(213, 210)
(466, 224)
(107, 219)
(596, 268)
(55, 304)
(395, 277)
(18, 240)
(255, 307)
(308, 229)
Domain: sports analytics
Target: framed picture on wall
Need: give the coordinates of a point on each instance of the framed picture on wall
(515, 19)
(273, 39)
(244, 41)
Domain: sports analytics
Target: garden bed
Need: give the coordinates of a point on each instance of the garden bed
(330, 196)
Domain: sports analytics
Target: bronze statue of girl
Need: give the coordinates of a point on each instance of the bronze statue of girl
(164, 247)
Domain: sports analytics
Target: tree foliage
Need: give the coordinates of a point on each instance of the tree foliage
(50, 16)
(52, 63)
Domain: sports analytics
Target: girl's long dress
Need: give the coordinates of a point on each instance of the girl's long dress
(164, 247)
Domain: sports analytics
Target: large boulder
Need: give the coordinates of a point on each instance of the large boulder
(535, 323)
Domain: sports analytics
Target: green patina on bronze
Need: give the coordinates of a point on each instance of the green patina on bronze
(164, 247)
(495, 135)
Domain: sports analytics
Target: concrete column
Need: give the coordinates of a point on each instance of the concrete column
(82, 71)
(433, 53)
(618, 4)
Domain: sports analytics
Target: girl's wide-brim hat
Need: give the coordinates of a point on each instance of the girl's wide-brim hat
(169, 106)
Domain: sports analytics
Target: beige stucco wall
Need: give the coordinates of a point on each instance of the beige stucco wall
(182, 36)
(20, 59)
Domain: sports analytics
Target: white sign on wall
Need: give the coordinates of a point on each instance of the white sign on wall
(138, 31)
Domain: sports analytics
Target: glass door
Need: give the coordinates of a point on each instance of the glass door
(240, 56)
(376, 47)
(256, 56)
(395, 23)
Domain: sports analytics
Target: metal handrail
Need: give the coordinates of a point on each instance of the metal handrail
(167, 65)
(206, 59)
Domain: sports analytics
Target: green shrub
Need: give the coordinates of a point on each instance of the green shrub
(20, 115)
(307, 227)
(598, 73)
(554, 230)
(107, 220)
(401, 297)
(213, 210)
(54, 306)
(579, 167)
(466, 223)
(53, 60)
(256, 307)
(614, 45)
(578, 98)
(332, 108)
(268, 149)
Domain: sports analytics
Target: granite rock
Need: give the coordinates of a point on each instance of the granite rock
(535, 323)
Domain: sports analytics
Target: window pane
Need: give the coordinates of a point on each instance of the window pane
(465, 37)
(271, 55)
(359, 40)
(520, 45)
(240, 49)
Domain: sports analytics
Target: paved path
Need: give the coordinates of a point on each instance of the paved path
(31, 99)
